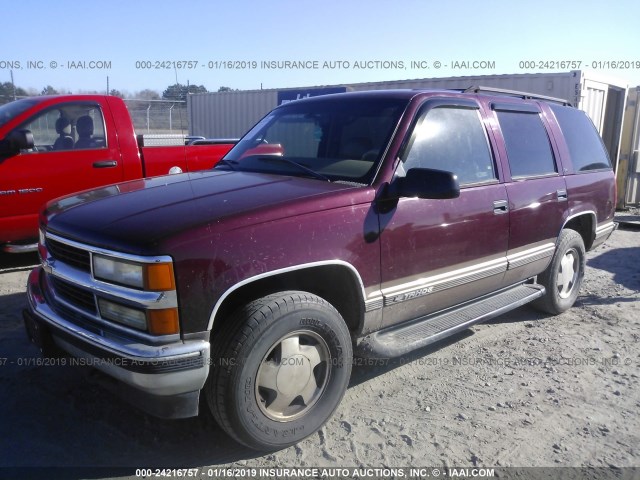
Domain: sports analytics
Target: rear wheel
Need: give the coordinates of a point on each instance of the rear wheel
(283, 365)
(563, 277)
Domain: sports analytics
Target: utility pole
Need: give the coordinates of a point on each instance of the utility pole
(13, 85)
(107, 84)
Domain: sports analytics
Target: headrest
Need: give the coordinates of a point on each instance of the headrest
(84, 126)
(63, 126)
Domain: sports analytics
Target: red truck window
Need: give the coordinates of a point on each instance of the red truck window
(66, 127)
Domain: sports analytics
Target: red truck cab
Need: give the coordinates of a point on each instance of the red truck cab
(52, 146)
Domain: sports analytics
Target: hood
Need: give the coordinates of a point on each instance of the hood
(135, 216)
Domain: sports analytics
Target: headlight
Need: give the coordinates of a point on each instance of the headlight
(145, 276)
(118, 271)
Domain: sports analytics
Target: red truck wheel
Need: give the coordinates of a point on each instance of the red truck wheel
(283, 365)
(563, 277)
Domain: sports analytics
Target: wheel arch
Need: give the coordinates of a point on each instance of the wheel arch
(337, 282)
(585, 224)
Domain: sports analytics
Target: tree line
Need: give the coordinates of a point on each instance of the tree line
(177, 92)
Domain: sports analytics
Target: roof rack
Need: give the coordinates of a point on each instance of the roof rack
(514, 93)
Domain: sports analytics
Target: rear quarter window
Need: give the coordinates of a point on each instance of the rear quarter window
(585, 145)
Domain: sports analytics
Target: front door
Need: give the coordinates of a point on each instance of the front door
(438, 253)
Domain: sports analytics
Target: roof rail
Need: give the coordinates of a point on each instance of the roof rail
(514, 93)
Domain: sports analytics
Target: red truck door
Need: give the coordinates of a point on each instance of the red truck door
(73, 150)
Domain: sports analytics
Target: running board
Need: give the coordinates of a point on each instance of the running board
(401, 339)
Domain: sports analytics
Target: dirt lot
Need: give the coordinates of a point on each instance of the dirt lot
(523, 390)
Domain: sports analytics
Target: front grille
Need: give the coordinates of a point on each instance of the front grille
(75, 296)
(76, 257)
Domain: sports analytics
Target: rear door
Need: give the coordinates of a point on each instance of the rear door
(537, 191)
(52, 169)
(438, 253)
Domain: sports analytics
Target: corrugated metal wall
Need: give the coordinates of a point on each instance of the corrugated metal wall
(629, 167)
(228, 114)
(559, 85)
(594, 96)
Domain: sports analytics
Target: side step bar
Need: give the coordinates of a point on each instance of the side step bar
(402, 339)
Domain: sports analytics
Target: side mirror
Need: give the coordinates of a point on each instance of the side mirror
(15, 141)
(425, 183)
(264, 149)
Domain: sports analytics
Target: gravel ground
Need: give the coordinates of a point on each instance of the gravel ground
(524, 390)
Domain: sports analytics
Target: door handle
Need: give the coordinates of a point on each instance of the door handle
(562, 195)
(105, 164)
(500, 207)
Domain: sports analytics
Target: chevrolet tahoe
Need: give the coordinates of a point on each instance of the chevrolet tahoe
(368, 223)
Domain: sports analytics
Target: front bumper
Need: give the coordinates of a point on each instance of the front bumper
(164, 380)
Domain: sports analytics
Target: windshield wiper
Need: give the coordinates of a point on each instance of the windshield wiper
(277, 158)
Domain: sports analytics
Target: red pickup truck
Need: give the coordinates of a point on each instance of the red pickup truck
(56, 145)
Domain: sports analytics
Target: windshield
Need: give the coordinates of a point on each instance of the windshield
(13, 109)
(342, 139)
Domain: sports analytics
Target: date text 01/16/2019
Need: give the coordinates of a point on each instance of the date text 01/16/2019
(578, 64)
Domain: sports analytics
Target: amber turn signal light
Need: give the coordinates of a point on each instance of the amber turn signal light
(159, 276)
(163, 322)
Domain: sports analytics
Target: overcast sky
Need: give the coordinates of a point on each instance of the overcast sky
(74, 45)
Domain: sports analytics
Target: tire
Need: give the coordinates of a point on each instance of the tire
(563, 277)
(283, 365)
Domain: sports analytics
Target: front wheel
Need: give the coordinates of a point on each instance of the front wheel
(283, 365)
(563, 277)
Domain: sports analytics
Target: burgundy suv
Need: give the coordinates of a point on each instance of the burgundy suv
(372, 222)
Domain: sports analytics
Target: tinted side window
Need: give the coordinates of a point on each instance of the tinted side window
(451, 139)
(527, 143)
(585, 147)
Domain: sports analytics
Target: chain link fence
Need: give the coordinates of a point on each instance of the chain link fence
(149, 116)
(158, 116)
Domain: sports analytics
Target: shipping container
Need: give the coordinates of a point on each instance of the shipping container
(629, 160)
(228, 114)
